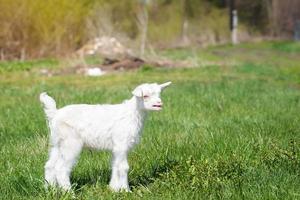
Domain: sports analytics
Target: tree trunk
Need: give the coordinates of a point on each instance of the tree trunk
(233, 22)
(143, 26)
(185, 24)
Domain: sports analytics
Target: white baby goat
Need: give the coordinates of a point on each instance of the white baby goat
(110, 127)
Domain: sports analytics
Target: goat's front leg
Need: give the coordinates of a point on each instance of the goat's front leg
(120, 167)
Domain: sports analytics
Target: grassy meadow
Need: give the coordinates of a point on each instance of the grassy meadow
(230, 128)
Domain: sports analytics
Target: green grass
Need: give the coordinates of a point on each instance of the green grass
(226, 131)
(27, 65)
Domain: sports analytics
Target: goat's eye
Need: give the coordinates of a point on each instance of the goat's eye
(146, 96)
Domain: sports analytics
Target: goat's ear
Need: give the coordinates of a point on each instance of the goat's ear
(138, 92)
(164, 85)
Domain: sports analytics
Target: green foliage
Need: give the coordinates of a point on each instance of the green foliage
(39, 28)
(206, 23)
(254, 13)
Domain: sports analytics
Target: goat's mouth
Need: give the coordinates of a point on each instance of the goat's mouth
(157, 106)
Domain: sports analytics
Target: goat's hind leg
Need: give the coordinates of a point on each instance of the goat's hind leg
(69, 150)
(50, 175)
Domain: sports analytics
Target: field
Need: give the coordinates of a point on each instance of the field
(230, 128)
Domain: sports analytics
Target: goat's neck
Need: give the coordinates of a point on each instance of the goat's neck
(136, 107)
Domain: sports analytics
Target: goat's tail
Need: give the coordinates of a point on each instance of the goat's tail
(49, 105)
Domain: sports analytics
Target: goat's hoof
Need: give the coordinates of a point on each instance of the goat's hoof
(49, 186)
(119, 189)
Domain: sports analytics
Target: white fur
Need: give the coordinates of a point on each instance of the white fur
(110, 127)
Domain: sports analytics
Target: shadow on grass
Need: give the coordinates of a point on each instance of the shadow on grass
(103, 176)
(155, 173)
(91, 178)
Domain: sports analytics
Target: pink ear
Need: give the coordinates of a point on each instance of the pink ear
(164, 85)
(138, 92)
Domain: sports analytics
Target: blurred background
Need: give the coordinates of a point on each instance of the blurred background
(57, 28)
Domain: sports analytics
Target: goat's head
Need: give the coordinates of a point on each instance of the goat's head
(149, 95)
